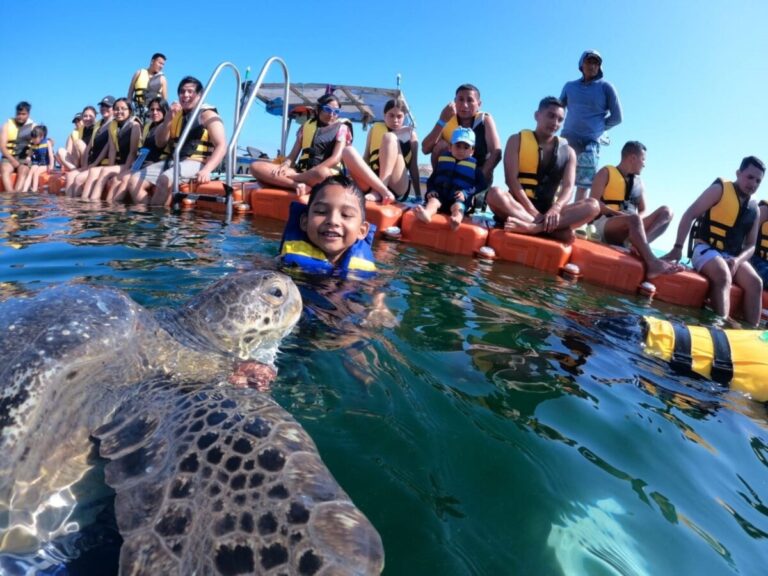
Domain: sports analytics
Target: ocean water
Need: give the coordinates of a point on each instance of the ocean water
(498, 429)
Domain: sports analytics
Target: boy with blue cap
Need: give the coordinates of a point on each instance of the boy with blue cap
(454, 182)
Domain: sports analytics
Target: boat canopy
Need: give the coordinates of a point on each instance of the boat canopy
(358, 103)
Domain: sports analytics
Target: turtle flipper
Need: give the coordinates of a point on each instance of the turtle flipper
(215, 479)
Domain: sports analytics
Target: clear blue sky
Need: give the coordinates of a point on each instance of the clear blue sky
(690, 75)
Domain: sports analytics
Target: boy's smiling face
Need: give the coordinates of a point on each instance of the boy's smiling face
(334, 221)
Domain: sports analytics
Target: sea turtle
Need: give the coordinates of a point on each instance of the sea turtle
(209, 478)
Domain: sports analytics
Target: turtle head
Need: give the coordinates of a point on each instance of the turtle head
(244, 314)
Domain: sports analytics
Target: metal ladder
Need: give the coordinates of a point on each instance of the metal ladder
(241, 113)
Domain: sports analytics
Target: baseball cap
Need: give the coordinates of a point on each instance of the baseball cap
(77, 117)
(107, 101)
(461, 134)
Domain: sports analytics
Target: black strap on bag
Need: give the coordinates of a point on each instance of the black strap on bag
(722, 362)
(681, 355)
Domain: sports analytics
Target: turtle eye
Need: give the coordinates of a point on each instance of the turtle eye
(276, 292)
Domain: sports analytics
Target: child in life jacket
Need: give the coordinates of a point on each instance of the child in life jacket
(330, 234)
(455, 180)
(39, 157)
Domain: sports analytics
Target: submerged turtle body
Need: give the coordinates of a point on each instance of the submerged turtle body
(209, 479)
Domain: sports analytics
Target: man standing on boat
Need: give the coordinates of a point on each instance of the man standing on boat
(539, 169)
(201, 153)
(148, 83)
(723, 239)
(14, 139)
(593, 108)
(621, 195)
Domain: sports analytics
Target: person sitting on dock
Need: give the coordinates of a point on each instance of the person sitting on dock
(539, 169)
(69, 156)
(723, 239)
(451, 186)
(14, 139)
(464, 111)
(201, 153)
(620, 193)
(39, 158)
(316, 154)
(95, 153)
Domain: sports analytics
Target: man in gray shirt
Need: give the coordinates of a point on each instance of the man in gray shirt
(593, 107)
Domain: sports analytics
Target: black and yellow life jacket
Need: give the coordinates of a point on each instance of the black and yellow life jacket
(18, 136)
(99, 139)
(318, 142)
(377, 134)
(735, 358)
(145, 88)
(120, 134)
(154, 154)
(452, 175)
(478, 127)
(761, 248)
(540, 182)
(198, 145)
(622, 192)
(726, 224)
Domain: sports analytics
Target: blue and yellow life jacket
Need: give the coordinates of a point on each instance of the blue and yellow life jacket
(377, 134)
(726, 224)
(478, 127)
(39, 153)
(317, 144)
(452, 175)
(18, 136)
(540, 182)
(622, 193)
(297, 250)
(197, 145)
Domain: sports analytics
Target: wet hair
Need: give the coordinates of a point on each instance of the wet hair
(128, 104)
(40, 131)
(548, 101)
(91, 108)
(632, 147)
(157, 55)
(23, 106)
(472, 87)
(190, 80)
(396, 103)
(339, 180)
(162, 102)
(752, 161)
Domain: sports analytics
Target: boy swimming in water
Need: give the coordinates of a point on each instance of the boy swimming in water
(330, 234)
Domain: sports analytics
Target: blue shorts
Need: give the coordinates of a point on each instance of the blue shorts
(586, 164)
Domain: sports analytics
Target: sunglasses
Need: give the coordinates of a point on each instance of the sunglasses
(329, 110)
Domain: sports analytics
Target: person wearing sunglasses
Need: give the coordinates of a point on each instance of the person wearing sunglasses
(316, 154)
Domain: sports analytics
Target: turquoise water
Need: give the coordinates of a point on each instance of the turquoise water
(496, 430)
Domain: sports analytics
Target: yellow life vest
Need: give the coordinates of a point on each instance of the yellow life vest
(738, 358)
(317, 144)
(77, 134)
(529, 157)
(725, 225)
(198, 146)
(377, 134)
(453, 123)
(98, 145)
(13, 134)
(117, 133)
(618, 194)
(140, 86)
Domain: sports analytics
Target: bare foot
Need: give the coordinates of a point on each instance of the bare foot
(422, 215)
(659, 267)
(456, 218)
(302, 189)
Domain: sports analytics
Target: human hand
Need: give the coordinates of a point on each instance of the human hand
(448, 112)
(459, 196)
(175, 109)
(203, 176)
(673, 255)
(552, 218)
